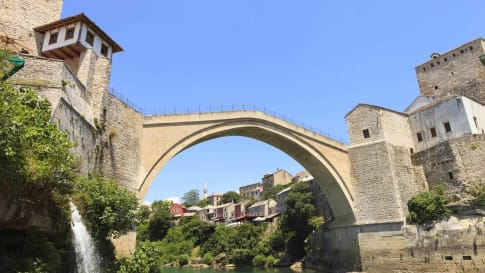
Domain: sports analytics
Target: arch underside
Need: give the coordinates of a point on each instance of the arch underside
(291, 143)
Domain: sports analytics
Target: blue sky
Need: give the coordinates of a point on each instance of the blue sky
(311, 61)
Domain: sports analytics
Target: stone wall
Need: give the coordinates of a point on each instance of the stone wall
(71, 112)
(19, 18)
(100, 85)
(54, 80)
(380, 123)
(457, 164)
(397, 130)
(410, 179)
(457, 72)
(119, 151)
(334, 250)
(80, 132)
(375, 191)
(384, 179)
(456, 245)
(361, 118)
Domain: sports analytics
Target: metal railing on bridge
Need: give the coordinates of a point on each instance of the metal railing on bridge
(166, 111)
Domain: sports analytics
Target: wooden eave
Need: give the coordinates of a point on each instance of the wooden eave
(66, 52)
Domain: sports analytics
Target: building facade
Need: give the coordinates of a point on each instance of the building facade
(214, 199)
(280, 177)
(251, 191)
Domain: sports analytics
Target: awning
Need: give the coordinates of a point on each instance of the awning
(243, 217)
(17, 64)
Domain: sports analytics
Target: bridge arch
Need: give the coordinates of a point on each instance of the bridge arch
(166, 136)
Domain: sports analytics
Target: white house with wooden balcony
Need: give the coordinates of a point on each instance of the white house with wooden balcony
(66, 38)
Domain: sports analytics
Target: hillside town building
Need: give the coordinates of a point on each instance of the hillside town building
(280, 177)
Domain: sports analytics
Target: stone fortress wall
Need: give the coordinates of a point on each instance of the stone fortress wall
(19, 18)
(411, 152)
(457, 72)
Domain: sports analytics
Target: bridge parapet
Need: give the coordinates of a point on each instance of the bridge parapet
(248, 113)
(236, 108)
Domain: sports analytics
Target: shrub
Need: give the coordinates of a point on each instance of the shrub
(108, 208)
(208, 258)
(259, 260)
(241, 257)
(479, 193)
(270, 261)
(184, 259)
(427, 207)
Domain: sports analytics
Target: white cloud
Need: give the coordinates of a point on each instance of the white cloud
(174, 199)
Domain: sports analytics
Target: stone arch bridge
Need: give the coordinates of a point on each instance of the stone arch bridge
(327, 160)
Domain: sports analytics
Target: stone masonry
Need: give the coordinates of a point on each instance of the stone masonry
(457, 164)
(457, 72)
(19, 18)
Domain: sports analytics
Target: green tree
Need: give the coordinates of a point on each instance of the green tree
(108, 208)
(429, 206)
(316, 222)
(240, 244)
(143, 214)
(202, 203)
(230, 196)
(196, 230)
(208, 258)
(160, 220)
(35, 160)
(259, 260)
(36, 170)
(191, 198)
(295, 222)
(271, 192)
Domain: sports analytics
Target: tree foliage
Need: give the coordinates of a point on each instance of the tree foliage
(22, 251)
(230, 196)
(271, 192)
(160, 221)
(295, 222)
(428, 206)
(240, 244)
(191, 198)
(34, 156)
(478, 193)
(108, 208)
(202, 203)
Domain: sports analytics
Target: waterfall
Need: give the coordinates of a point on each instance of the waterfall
(87, 256)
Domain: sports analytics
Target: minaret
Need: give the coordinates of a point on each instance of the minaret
(205, 190)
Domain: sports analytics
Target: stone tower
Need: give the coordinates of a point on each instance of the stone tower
(19, 18)
(460, 71)
(86, 49)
